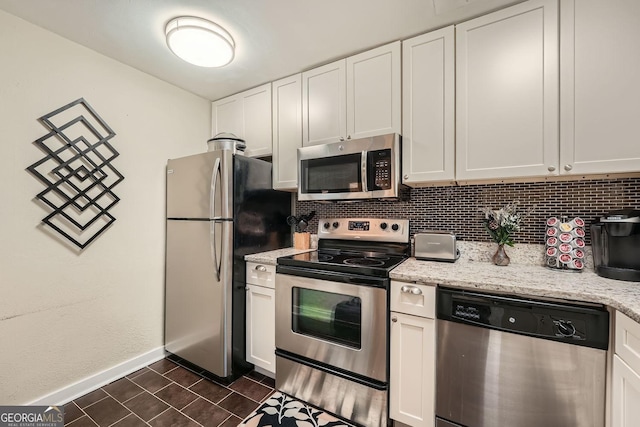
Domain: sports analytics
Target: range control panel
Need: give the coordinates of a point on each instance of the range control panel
(370, 229)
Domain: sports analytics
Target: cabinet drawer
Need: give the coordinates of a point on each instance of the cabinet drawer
(410, 298)
(627, 338)
(261, 274)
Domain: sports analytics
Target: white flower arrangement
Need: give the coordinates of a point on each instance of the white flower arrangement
(502, 223)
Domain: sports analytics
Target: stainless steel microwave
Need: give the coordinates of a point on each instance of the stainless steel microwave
(366, 168)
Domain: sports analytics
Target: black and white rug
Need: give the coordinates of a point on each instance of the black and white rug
(282, 410)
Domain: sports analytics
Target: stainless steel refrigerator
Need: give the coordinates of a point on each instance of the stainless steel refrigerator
(220, 207)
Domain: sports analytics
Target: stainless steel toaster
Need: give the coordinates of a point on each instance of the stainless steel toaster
(436, 246)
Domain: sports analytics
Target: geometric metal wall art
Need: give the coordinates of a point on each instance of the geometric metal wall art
(78, 172)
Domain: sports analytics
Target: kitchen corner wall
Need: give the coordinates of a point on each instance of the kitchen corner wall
(457, 208)
(65, 315)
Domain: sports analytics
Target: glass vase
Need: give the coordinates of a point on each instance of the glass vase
(500, 257)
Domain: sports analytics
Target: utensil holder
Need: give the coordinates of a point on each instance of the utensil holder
(302, 240)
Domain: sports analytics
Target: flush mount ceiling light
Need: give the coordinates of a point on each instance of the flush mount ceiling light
(199, 42)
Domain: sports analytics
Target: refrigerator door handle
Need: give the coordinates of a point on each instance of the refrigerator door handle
(217, 262)
(212, 193)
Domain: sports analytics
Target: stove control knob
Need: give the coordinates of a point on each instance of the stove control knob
(395, 227)
(326, 225)
(566, 329)
(335, 224)
(383, 225)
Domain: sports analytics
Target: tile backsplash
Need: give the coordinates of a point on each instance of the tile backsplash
(457, 208)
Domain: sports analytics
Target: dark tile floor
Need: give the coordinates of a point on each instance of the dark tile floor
(165, 394)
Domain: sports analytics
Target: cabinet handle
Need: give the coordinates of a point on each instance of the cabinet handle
(261, 268)
(411, 290)
(551, 168)
(246, 288)
(406, 176)
(348, 136)
(394, 319)
(341, 138)
(568, 167)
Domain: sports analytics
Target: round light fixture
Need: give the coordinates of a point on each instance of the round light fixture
(199, 42)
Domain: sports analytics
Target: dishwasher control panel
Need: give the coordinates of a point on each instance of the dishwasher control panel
(575, 324)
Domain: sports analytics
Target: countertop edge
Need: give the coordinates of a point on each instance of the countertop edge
(531, 280)
(516, 279)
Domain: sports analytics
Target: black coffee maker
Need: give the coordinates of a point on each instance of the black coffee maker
(615, 242)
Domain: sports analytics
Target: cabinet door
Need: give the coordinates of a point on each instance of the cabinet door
(412, 373)
(324, 104)
(428, 121)
(261, 335)
(600, 61)
(226, 116)
(507, 93)
(256, 119)
(287, 131)
(374, 92)
(625, 401)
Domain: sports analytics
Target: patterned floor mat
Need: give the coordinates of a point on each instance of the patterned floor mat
(282, 410)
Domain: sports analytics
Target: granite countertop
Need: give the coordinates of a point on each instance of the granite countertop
(525, 276)
(271, 257)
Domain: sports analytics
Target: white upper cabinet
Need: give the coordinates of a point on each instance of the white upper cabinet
(600, 65)
(352, 98)
(324, 104)
(428, 108)
(374, 92)
(227, 116)
(287, 131)
(507, 95)
(248, 116)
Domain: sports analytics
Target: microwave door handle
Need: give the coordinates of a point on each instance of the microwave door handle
(363, 165)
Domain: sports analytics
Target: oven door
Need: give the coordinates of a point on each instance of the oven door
(342, 325)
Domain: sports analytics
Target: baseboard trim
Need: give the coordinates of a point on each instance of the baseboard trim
(93, 382)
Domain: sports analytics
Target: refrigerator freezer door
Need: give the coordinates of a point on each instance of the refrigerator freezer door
(200, 186)
(198, 304)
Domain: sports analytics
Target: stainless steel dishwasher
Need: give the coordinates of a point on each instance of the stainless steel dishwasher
(507, 361)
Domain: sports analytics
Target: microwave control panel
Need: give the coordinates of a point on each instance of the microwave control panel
(379, 163)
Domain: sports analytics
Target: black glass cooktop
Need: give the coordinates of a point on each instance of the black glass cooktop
(364, 263)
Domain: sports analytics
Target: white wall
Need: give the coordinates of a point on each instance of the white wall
(66, 315)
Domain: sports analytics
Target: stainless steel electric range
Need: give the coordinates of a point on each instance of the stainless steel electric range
(332, 318)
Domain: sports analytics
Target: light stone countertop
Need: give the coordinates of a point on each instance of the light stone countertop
(525, 276)
(270, 257)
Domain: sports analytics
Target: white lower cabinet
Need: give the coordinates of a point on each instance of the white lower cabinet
(412, 355)
(625, 382)
(625, 410)
(261, 309)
